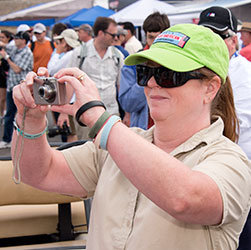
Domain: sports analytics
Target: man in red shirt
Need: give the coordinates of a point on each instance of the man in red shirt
(246, 40)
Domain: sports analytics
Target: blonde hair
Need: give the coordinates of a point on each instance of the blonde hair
(223, 106)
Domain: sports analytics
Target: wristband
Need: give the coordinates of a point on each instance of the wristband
(30, 136)
(6, 57)
(98, 125)
(106, 130)
(85, 107)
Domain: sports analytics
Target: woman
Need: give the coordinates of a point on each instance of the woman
(5, 37)
(181, 184)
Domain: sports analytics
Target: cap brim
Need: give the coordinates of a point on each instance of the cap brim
(38, 31)
(214, 26)
(167, 58)
(57, 37)
(244, 29)
(72, 43)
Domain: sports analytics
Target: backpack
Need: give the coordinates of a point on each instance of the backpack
(33, 45)
(83, 55)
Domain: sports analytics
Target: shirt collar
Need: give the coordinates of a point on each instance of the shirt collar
(93, 51)
(203, 137)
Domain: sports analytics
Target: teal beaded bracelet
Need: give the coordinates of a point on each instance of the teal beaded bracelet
(30, 136)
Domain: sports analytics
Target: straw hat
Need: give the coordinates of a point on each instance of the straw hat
(245, 27)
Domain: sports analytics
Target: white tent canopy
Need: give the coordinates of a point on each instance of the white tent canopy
(189, 13)
(138, 11)
(55, 9)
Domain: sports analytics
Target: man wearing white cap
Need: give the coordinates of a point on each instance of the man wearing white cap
(41, 48)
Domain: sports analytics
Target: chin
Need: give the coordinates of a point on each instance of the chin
(156, 115)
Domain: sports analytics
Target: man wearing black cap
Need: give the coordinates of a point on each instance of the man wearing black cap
(20, 60)
(223, 22)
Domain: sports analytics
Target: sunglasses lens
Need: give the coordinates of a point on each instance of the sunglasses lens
(143, 74)
(164, 77)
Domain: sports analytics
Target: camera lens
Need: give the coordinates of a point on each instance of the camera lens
(47, 92)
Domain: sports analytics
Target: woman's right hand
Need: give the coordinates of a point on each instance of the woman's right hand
(85, 91)
(23, 97)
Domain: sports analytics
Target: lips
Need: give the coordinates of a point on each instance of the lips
(158, 97)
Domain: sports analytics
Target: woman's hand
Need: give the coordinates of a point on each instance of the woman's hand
(85, 91)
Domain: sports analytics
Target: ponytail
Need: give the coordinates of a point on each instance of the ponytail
(223, 106)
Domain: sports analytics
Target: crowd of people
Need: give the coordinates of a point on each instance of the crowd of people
(168, 124)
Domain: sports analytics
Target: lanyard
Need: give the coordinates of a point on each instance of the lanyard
(236, 53)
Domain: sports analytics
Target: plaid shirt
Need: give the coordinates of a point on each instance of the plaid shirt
(23, 58)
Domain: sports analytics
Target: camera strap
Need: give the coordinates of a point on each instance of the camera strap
(20, 132)
(16, 159)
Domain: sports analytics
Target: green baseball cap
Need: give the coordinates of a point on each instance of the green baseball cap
(186, 47)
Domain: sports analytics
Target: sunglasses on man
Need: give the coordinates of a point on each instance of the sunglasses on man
(112, 35)
(164, 77)
(37, 33)
(224, 36)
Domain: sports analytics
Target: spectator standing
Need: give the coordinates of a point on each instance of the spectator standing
(41, 48)
(131, 96)
(102, 63)
(66, 42)
(85, 33)
(20, 60)
(223, 22)
(246, 40)
(24, 28)
(5, 37)
(132, 44)
(57, 29)
(119, 40)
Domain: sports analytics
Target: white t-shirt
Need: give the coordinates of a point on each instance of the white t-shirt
(240, 77)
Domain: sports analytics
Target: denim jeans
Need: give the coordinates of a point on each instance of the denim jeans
(11, 110)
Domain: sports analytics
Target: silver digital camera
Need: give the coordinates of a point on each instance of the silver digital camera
(47, 91)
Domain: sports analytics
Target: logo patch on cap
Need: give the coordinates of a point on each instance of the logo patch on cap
(175, 38)
(211, 14)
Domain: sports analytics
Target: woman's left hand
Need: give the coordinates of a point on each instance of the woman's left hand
(85, 91)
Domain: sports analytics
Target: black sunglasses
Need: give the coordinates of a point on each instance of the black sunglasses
(37, 33)
(112, 35)
(224, 36)
(164, 77)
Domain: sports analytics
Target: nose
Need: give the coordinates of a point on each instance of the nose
(152, 83)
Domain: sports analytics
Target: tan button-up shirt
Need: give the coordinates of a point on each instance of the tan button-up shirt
(123, 218)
